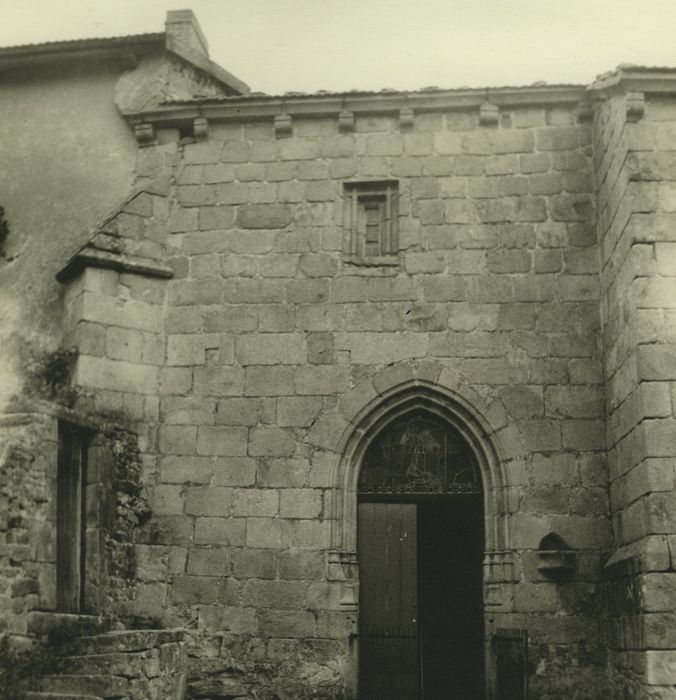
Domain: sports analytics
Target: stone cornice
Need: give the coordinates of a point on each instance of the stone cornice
(625, 79)
(333, 104)
(121, 262)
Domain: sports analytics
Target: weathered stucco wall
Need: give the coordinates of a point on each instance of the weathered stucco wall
(67, 161)
(267, 343)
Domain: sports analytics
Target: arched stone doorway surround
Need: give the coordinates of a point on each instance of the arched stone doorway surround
(363, 412)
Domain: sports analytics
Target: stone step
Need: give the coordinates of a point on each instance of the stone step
(97, 686)
(135, 664)
(59, 696)
(123, 641)
(41, 622)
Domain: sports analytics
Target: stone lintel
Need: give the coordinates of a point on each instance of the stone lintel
(39, 411)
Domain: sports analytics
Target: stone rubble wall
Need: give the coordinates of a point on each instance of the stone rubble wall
(28, 448)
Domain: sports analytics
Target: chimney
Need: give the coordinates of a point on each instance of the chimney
(183, 30)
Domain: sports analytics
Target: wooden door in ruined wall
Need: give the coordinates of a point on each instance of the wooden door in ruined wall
(420, 545)
(70, 519)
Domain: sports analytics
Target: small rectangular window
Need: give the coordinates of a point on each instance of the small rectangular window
(370, 219)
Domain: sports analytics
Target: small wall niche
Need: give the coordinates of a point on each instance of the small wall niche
(555, 558)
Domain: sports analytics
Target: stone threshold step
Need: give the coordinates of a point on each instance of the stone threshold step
(94, 685)
(59, 696)
(127, 641)
(44, 621)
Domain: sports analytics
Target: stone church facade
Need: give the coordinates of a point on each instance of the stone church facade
(292, 288)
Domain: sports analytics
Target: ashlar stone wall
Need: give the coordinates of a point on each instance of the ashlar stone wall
(238, 368)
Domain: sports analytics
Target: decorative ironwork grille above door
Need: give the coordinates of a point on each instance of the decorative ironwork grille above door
(419, 456)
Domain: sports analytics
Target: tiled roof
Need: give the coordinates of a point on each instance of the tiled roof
(366, 93)
(71, 44)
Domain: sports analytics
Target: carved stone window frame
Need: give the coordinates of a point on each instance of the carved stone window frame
(359, 199)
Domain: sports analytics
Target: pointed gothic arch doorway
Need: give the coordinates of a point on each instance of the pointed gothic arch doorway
(420, 547)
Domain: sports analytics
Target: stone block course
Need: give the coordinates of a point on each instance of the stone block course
(222, 440)
(184, 469)
(234, 471)
(237, 411)
(168, 500)
(124, 344)
(219, 530)
(194, 292)
(219, 381)
(300, 503)
(319, 380)
(284, 472)
(211, 501)
(255, 502)
(276, 318)
(286, 624)
(269, 381)
(253, 291)
(194, 590)
(207, 561)
(298, 411)
(280, 348)
(271, 442)
(178, 440)
(310, 291)
(263, 216)
(380, 348)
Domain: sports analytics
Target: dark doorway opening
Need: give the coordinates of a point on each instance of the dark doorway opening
(450, 598)
(420, 546)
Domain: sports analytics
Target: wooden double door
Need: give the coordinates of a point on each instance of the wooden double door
(421, 629)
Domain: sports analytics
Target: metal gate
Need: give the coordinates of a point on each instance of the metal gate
(510, 647)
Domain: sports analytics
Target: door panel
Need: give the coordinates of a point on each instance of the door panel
(70, 521)
(388, 637)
